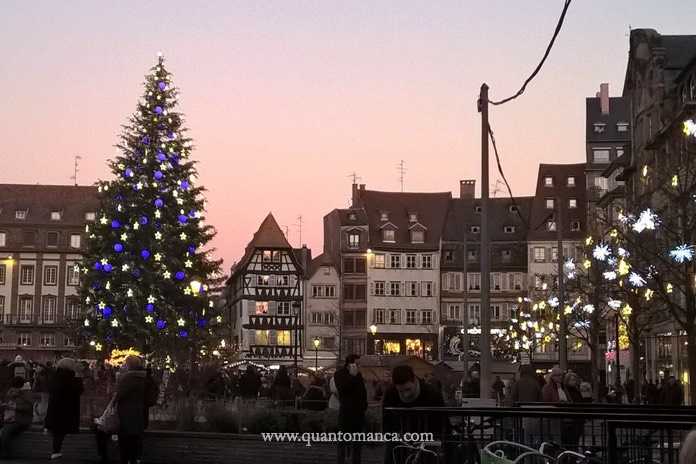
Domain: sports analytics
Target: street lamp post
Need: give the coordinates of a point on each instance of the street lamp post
(316, 342)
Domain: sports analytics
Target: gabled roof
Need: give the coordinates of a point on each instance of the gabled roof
(269, 235)
(462, 215)
(431, 209)
(41, 200)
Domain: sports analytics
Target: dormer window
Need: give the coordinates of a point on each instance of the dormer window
(513, 208)
(56, 215)
(622, 127)
(412, 217)
(570, 182)
(21, 214)
(417, 236)
(389, 236)
(551, 226)
(90, 216)
(509, 229)
(475, 229)
(353, 240)
(384, 216)
(575, 226)
(352, 217)
(548, 181)
(599, 127)
(477, 209)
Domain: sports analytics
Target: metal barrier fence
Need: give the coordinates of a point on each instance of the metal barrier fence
(597, 430)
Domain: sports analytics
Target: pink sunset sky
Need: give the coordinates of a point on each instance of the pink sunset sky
(285, 99)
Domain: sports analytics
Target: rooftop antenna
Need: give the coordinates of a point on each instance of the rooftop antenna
(402, 170)
(497, 187)
(355, 177)
(76, 169)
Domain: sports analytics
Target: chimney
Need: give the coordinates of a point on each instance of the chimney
(604, 97)
(467, 188)
(357, 188)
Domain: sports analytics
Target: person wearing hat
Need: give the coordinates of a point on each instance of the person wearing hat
(63, 413)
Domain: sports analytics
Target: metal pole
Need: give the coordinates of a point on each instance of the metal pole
(316, 359)
(562, 340)
(485, 346)
(617, 350)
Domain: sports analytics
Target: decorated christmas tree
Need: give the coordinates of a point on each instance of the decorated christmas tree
(147, 272)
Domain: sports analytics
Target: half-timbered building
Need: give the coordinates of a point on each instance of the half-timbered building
(265, 296)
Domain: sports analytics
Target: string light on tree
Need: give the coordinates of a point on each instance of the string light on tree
(682, 253)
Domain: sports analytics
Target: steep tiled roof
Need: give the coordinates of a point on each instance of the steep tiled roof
(430, 209)
(680, 50)
(40, 200)
(540, 214)
(346, 216)
(269, 235)
(463, 214)
(618, 112)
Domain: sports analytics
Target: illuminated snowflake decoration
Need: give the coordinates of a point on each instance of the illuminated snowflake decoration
(622, 252)
(614, 304)
(636, 280)
(682, 253)
(569, 265)
(690, 127)
(588, 308)
(601, 252)
(553, 302)
(646, 221)
(610, 275)
(612, 261)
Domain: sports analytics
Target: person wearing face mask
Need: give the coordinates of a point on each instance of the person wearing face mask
(352, 397)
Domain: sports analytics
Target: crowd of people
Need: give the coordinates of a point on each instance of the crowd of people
(50, 395)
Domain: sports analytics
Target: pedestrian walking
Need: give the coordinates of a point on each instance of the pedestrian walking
(17, 415)
(63, 414)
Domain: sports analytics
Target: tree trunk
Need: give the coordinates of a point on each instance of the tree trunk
(634, 340)
(691, 351)
(595, 359)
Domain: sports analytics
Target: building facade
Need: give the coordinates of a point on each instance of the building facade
(41, 241)
(346, 241)
(322, 321)
(460, 304)
(403, 270)
(265, 296)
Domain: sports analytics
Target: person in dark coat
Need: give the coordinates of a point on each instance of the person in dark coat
(408, 391)
(314, 398)
(130, 404)
(63, 414)
(18, 414)
(280, 390)
(249, 384)
(527, 389)
(672, 393)
(352, 398)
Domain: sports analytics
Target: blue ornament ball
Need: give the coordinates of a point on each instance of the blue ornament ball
(136, 273)
(150, 308)
(115, 224)
(180, 275)
(143, 220)
(97, 266)
(192, 249)
(128, 172)
(202, 323)
(161, 324)
(171, 135)
(184, 184)
(145, 254)
(161, 156)
(159, 175)
(158, 109)
(183, 333)
(159, 203)
(118, 248)
(174, 160)
(106, 312)
(146, 140)
(107, 267)
(183, 218)
(162, 85)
